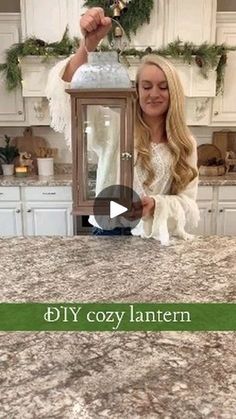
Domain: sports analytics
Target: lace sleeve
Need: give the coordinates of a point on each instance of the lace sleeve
(59, 100)
(174, 213)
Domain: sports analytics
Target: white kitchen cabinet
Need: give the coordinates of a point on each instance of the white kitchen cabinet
(152, 34)
(217, 210)
(188, 20)
(47, 211)
(226, 210)
(48, 219)
(11, 103)
(47, 20)
(205, 203)
(10, 219)
(205, 226)
(226, 225)
(33, 211)
(10, 212)
(193, 21)
(224, 105)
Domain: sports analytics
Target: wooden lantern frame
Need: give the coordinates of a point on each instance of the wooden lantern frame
(125, 99)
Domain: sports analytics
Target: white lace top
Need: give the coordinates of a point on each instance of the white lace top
(161, 160)
(172, 212)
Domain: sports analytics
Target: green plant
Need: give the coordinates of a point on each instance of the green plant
(8, 153)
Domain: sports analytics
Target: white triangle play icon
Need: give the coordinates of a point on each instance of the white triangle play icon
(116, 209)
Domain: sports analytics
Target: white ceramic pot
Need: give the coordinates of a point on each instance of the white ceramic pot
(45, 166)
(8, 169)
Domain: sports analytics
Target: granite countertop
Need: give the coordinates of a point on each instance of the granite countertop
(225, 180)
(118, 375)
(56, 180)
(66, 180)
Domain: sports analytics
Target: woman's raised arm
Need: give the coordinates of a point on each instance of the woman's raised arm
(94, 26)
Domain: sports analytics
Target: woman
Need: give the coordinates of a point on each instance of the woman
(165, 171)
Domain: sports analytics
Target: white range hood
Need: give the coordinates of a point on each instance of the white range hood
(198, 90)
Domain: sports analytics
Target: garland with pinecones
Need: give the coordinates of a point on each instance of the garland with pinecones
(206, 56)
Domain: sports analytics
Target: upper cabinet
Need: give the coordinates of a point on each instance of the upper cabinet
(190, 20)
(11, 103)
(224, 105)
(47, 20)
(193, 21)
(151, 35)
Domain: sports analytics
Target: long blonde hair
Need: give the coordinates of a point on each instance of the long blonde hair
(179, 138)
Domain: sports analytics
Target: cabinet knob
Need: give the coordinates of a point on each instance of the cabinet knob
(29, 210)
(221, 210)
(209, 210)
(20, 113)
(18, 211)
(126, 156)
(216, 113)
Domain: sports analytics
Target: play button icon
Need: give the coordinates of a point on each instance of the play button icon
(116, 209)
(117, 206)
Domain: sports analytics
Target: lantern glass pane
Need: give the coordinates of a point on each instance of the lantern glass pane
(101, 139)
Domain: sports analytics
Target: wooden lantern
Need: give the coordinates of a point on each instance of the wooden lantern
(102, 137)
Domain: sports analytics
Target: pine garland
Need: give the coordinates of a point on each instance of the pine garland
(34, 46)
(135, 15)
(206, 56)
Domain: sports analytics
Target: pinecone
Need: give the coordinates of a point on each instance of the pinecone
(223, 59)
(40, 42)
(199, 61)
(148, 50)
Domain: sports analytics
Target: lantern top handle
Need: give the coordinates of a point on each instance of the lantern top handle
(119, 32)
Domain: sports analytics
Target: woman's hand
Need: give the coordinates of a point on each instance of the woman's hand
(148, 206)
(144, 208)
(94, 26)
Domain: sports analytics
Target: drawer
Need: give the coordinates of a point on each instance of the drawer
(227, 193)
(47, 193)
(205, 193)
(9, 193)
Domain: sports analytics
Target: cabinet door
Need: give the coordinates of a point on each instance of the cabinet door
(48, 219)
(47, 20)
(152, 34)
(206, 223)
(44, 19)
(10, 219)
(11, 103)
(224, 105)
(190, 20)
(226, 219)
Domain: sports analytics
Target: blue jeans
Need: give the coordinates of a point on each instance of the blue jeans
(118, 231)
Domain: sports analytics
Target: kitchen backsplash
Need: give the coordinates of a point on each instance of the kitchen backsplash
(203, 135)
(54, 140)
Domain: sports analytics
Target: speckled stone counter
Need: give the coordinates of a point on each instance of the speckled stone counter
(226, 180)
(66, 180)
(56, 180)
(167, 375)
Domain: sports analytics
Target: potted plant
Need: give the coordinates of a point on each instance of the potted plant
(7, 157)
